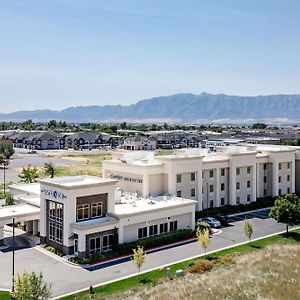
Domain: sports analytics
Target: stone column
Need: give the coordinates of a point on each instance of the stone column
(35, 227)
(257, 182)
(232, 185)
(199, 206)
(293, 176)
(1, 236)
(254, 183)
(81, 246)
(146, 185)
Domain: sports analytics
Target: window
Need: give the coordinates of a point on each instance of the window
(265, 192)
(163, 228)
(279, 166)
(248, 184)
(107, 241)
(153, 230)
(55, 222)
(193, 192)
(178, 193)
(265, 178)
(288, 190)
(222, 172)
(222, 201)
(95, 245)
(237, 200)
(83, 212)
(211, 188)
(238, 171)
(222, 186)
(211, 203)
(193, 176)
(238, 185)
(248, 170)
(142, 232)
(279, 179)
(178, 178)
(173, 225)
(288, 178)
(265, 166)
(248, 198)
(279, 192)
(288, 165)
(96, 210)
(211, 173)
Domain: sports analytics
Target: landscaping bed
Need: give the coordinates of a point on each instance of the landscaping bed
(233, 209)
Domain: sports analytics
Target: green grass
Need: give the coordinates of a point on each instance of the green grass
(154, 276)
(4, 295)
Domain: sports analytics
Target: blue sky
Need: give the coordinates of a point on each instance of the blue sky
(60, 53)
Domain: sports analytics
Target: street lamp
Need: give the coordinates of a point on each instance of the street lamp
(13, 259)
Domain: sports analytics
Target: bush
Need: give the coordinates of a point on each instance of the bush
(232, 209)
(201, 266)
(54, 250)
(126, 248)
(9, 199)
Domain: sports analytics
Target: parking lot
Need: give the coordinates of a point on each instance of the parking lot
(66, 278)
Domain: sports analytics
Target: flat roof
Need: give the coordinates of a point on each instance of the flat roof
(18, 211)
(131, 204)
(82, 225)
(27, 188)
(70, 182)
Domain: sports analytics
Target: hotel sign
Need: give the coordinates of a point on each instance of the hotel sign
(54, 194)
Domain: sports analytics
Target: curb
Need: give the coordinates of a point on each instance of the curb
(170, 264)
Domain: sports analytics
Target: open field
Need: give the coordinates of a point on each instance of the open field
(157, 281)
(90, 164)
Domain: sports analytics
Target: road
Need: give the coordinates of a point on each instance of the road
(66, 278)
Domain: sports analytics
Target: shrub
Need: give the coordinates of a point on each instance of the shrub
(202, 266)
(54, 250)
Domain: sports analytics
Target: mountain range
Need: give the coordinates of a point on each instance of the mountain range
(187, 108)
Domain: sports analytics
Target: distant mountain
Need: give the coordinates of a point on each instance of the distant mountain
(181, 107)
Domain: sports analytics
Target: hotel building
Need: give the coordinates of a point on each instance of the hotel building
(229, 175)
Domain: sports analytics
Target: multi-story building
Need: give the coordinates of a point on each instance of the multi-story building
(229, 175)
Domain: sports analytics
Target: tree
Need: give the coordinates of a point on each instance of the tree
(259, 126)
(248, 229)
(49, 169)
(31, 286)
(29, 175)
(6, 150)
(139, 256)
(287, 210)
(203, 238)
(3, 163)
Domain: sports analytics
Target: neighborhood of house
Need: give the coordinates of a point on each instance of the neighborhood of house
(142, 195)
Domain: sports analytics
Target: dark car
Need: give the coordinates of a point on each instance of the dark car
(224, 220)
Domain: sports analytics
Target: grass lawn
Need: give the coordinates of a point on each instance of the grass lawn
(155, 276)
(4, 295)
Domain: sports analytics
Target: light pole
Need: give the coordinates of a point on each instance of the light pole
(13, 260)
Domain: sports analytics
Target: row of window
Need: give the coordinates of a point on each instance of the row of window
(156, 229)
(55, 232)
(280, 165)
(288, 178)
(101, 243)
(89, 211)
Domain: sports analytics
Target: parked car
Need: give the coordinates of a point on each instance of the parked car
(223, 219)
(211, 221)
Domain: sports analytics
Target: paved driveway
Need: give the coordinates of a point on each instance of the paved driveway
(67, 278)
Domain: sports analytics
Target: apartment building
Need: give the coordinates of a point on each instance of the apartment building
(229, 175)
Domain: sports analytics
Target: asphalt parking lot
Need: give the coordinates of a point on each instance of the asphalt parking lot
(66, 278)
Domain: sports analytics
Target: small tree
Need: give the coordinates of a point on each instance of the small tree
(287, 210)
(248, 229)
(139, 256)
(6, 150)
(49, 169)
(29, 175)
(31, 286)
(203, 238)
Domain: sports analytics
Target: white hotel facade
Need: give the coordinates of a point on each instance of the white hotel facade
(231, 175)
(141, 195)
